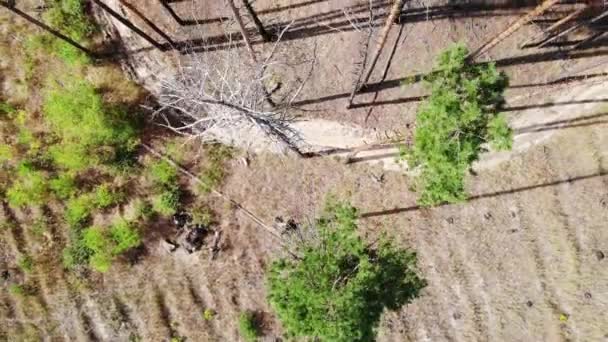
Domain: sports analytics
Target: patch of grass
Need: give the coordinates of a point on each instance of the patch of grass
(79, 209)
(208, 314)
(69, 16)
(106, 244)
(167, 202)
(213, 173)
(162, 174)
(90, 133)
(104, 196)
(248, 327)
(29, 188)
(26, 263)
(63, 186)
(142, 210)
(22, 290)
(124, 236)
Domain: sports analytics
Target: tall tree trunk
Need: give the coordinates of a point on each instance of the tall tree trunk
(540, 9)
(553, 27)
(258, 23)
(11, 7)
(394, 12)
(591, 21)
(147, 21)
(239, 21)
(128, 24)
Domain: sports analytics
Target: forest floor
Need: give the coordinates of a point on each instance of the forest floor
(521, 260)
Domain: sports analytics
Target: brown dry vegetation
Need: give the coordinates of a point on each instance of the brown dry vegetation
(519, 261)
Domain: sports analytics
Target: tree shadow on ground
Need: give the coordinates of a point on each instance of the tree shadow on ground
(487, 195)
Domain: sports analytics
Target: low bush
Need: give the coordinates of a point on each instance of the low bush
(63, 186)
(26, 263)
(338, 286)
(213, 173)
(104, 196)
(248, 327)
(70, 18)
(167, 202)
(79, 209)
(29, 188)
(124, 236)
(162, 174)
(91, 134)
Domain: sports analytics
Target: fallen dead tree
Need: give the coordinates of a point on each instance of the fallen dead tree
(220, 96)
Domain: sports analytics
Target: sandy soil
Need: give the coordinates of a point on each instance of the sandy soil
(519, 261)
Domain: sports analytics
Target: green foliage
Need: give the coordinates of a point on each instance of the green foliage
(90, 133)
(69, 17)
(26, 263)
(105, 197)
(213, 173)
(167, 202)
(162, 174)
(79, 209)
(338, 287)
(500, 134)
(24, 290)
(248, 327)
(459, 116)
(124, 236)
(96, 240)
(142, 209)
(208, 314)
(29, 188)
(63, 186)
(5, 109)
(47, 44)
(105, 245)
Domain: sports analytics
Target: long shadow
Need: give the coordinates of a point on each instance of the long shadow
(323, 23)
(487, 195)
(552, 104)
(563, 80)
(510, 61)
(580, 121)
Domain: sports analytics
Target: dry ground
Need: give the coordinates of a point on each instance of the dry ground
(519, 261)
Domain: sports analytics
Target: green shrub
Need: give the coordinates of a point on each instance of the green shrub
(142, 209)
(167, 202)
(26, 263)
(105, 244)
(29, 188)
(64, 186)
(6, 153)
(90, 133)
(79, 209)
(124, 236)
(21, 290)
(70, 18)
(104, 196)
(338, 287)
(6, 109)
(248, 327)
(162, 174)
(454, 123)
(50, 45)
(213, 173)
(208, 314)
(96, 240)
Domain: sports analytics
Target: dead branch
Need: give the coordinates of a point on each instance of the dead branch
(542, 35)
(540, 9)
(575, 27)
